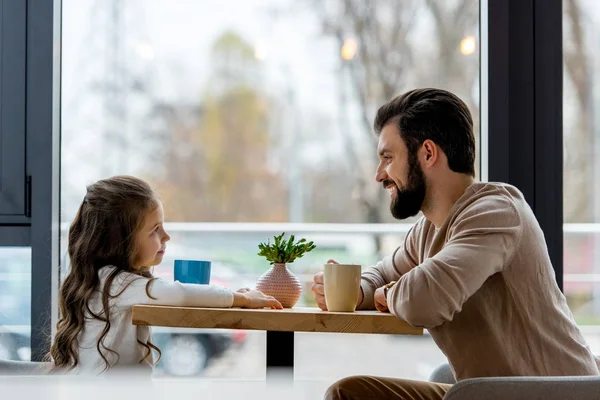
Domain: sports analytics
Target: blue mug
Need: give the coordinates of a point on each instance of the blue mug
(192, 271)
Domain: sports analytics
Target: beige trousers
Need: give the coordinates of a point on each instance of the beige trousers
(372, 387)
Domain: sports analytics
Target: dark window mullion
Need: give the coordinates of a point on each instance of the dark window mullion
(525, 108)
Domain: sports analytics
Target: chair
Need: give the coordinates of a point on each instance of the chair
(442, 374)
(519, 388)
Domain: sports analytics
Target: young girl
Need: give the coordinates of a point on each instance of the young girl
(114, 240)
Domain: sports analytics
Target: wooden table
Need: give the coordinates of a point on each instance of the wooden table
(279, 324)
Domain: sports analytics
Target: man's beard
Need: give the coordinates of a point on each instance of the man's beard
(409, 200)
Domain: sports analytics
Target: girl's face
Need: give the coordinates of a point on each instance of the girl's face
(151, 240)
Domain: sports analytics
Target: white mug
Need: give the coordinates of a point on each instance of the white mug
(342, 286)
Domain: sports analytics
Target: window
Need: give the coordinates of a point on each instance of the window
(262, 115)
(15, 297)
(581, 109)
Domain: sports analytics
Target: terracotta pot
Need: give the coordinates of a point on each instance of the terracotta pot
(282, 284)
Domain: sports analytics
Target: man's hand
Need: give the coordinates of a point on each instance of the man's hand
(319, 290)
(380, 300)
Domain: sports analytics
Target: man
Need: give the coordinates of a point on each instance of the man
(474, 270)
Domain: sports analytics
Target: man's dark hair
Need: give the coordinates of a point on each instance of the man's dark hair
(437, 115)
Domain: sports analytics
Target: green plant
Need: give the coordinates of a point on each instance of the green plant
(284, 251)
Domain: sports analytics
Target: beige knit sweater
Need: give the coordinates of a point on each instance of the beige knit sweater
(484, 287)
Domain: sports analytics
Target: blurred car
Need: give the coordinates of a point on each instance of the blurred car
(185, 352)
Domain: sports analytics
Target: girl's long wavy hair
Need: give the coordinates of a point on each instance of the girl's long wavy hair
(102, 233)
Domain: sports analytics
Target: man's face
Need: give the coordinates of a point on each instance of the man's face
(400, 173)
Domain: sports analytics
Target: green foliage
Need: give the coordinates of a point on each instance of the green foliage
(284, 251)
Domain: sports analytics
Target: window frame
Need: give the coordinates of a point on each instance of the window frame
(13, 196)
(524, 102)
(521, 70)
(38, 227)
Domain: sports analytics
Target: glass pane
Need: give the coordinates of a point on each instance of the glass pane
(582, 278)
(15, 301)
(319, 356)
(257, 116)
(581, 112)
(328, 356)
(210, 352)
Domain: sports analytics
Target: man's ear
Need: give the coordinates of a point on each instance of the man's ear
(431, 151)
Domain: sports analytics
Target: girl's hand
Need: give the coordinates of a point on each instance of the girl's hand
(243, 290)
(255, 299)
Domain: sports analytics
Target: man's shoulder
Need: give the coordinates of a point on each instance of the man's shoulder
(493, 195)
(498, 204)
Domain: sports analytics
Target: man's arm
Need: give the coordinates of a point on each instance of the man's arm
(484, 240)
(389, 269)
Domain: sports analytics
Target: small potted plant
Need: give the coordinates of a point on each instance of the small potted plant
(279, 281)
